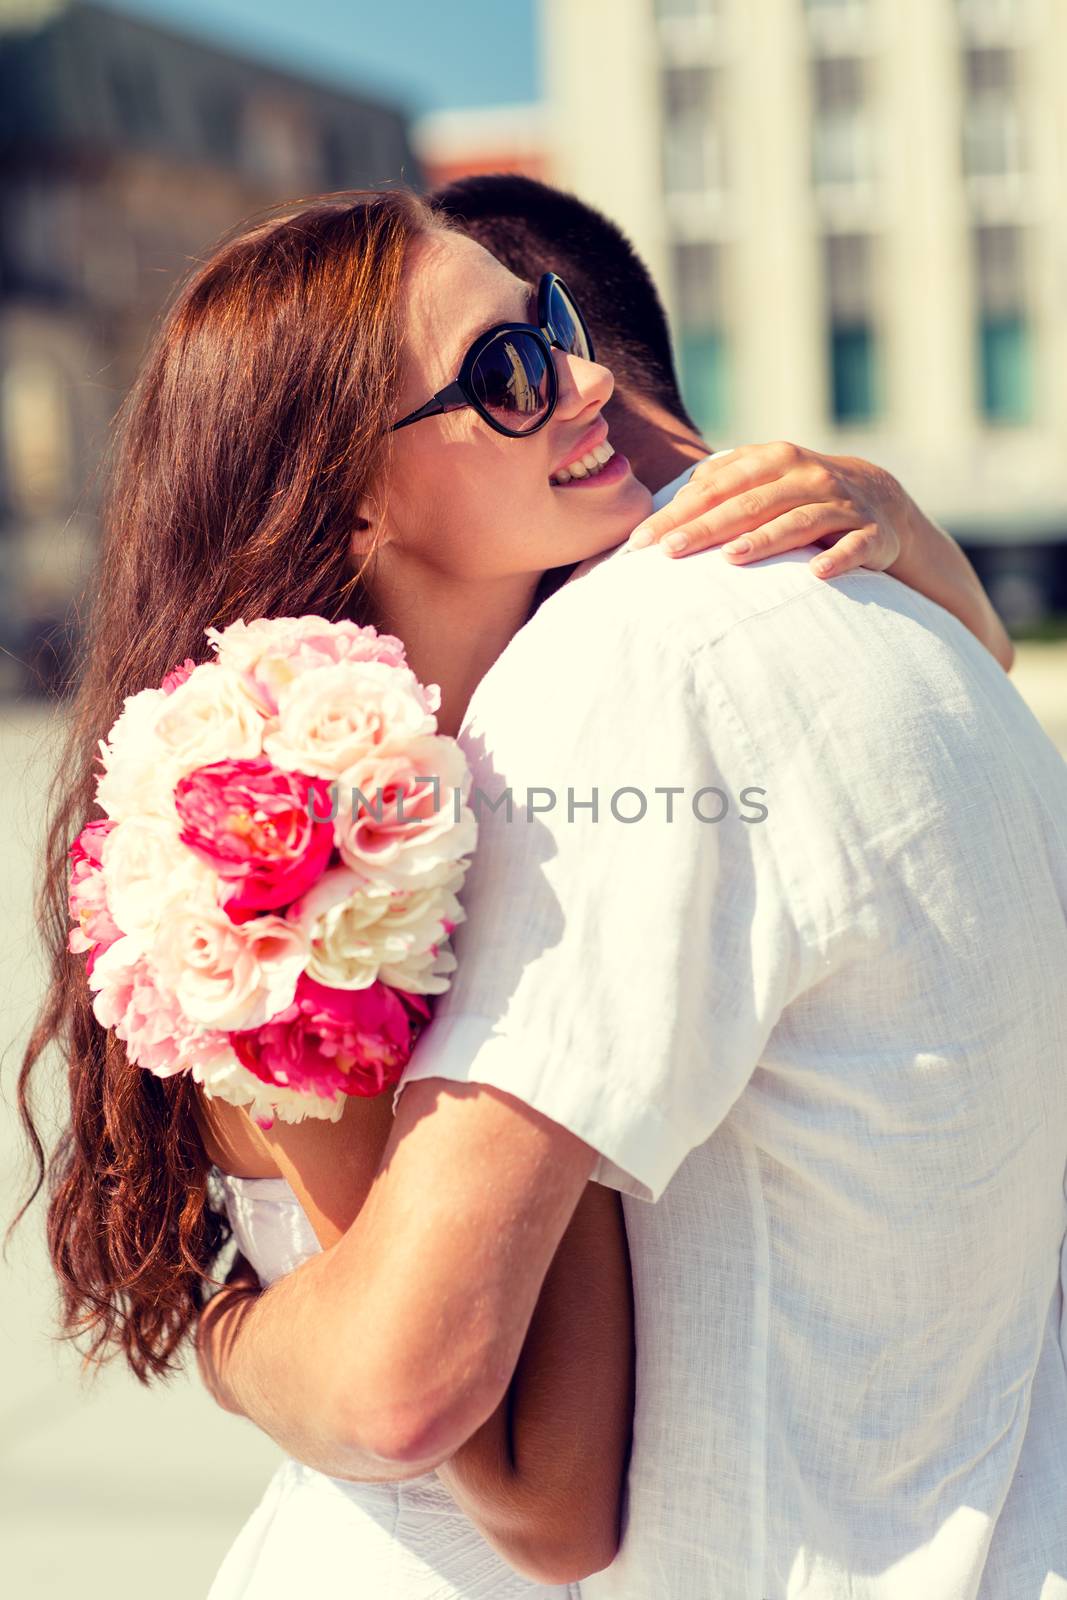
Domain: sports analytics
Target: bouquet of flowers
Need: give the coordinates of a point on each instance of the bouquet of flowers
(268, 899)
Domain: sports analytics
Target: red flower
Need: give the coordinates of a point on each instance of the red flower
(249, 820)
(329, 1041)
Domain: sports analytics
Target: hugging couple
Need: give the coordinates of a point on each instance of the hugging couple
(711, 1246)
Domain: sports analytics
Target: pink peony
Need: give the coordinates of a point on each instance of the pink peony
(330, 1041)
(177, 675)
(249, 821)
(145, 1014)
(95, 928)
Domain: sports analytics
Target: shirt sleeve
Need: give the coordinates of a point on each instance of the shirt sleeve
(626, 949)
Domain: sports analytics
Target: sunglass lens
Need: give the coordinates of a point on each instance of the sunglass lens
(511, 380)
(567, 324)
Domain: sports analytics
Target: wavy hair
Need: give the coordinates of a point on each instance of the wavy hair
(255, 428)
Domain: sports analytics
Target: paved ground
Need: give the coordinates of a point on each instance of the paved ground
(101, 1485)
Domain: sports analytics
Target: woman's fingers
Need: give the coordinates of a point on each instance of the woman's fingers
(716, 481)
(862, 547)
(796, 523)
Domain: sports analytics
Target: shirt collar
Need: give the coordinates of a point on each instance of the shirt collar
(664, 496)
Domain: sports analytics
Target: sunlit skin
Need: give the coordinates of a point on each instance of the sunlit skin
(471, 521)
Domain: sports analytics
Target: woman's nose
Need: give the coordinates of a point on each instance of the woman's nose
(582, 383)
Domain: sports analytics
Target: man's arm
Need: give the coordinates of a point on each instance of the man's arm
(381, 1356)
(615, 987)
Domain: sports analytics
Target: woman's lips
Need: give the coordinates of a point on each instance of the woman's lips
(612, 472)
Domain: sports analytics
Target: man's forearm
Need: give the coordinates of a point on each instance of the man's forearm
(379, 1357)
(262, 1356)
(932, 562)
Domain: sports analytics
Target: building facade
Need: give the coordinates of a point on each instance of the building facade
(856, 210)
(126, 152)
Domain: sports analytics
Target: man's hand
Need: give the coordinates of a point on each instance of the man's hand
(763, 499)
(218, 1327)
(379, 1356)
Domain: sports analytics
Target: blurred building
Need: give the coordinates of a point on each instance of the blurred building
(457, 144)
(856, 209)
(126, 151)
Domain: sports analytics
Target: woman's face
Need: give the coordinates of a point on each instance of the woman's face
(463, 501)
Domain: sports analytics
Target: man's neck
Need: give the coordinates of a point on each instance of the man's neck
(658, 445)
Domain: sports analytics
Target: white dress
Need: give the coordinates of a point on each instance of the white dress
(323, 1538)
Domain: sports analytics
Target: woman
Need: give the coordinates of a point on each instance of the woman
(280, 455)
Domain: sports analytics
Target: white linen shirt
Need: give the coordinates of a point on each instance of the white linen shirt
(830, 1045)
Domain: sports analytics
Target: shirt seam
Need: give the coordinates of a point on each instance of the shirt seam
(793, 896)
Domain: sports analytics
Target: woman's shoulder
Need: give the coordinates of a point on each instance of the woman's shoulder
(231, 1141)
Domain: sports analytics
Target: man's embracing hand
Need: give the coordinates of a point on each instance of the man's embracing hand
(219, 1325)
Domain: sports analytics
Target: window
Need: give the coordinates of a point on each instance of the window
(694, 157)
(853, 343)
(136, 90)
(991, 19)
(992, 115)
(1005, 353)
(669, 10)
(220, 117)
(703, 347)
(277, 145)
(842, 141)
(35, 426)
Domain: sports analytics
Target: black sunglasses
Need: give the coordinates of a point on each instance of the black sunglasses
(508, 374)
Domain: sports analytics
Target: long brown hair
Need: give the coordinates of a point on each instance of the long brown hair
(255, 428)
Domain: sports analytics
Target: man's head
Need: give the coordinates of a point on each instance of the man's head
(534, 228)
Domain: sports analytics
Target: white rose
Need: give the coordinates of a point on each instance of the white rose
(134, 781)
(210, 717)
(333, 717)
(147, 870)
(158, 738)
(425, 825)
(229, 975)
(224, 1078)
(358, 932)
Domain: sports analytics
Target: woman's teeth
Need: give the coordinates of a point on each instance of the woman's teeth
(587, 466)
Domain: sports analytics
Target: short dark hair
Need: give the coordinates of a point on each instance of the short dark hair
(533, 228)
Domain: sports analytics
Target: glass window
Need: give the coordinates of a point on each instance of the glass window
(671, 9)
(849, 276)
(992, 115)
(842, 140)
(853, 377)
(705, 379)
(703, 347)
(853, 353)
(1005, 368)
(35, 426)
(1005, 341)
(694, 154)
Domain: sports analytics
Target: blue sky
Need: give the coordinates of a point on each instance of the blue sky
(429, 54)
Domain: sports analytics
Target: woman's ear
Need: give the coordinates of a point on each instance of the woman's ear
(366, 531)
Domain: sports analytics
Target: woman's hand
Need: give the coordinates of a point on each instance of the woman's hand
(765, 498)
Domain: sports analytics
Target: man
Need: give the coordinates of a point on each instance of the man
(798, 980)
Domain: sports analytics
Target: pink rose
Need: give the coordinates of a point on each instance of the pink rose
(177, 675)
(95, 928)
(401, 812)
(329, 1041)
(249, 821)
(145, 1014)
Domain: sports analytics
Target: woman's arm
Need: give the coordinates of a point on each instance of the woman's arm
(760, 500)
(542, 1477)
